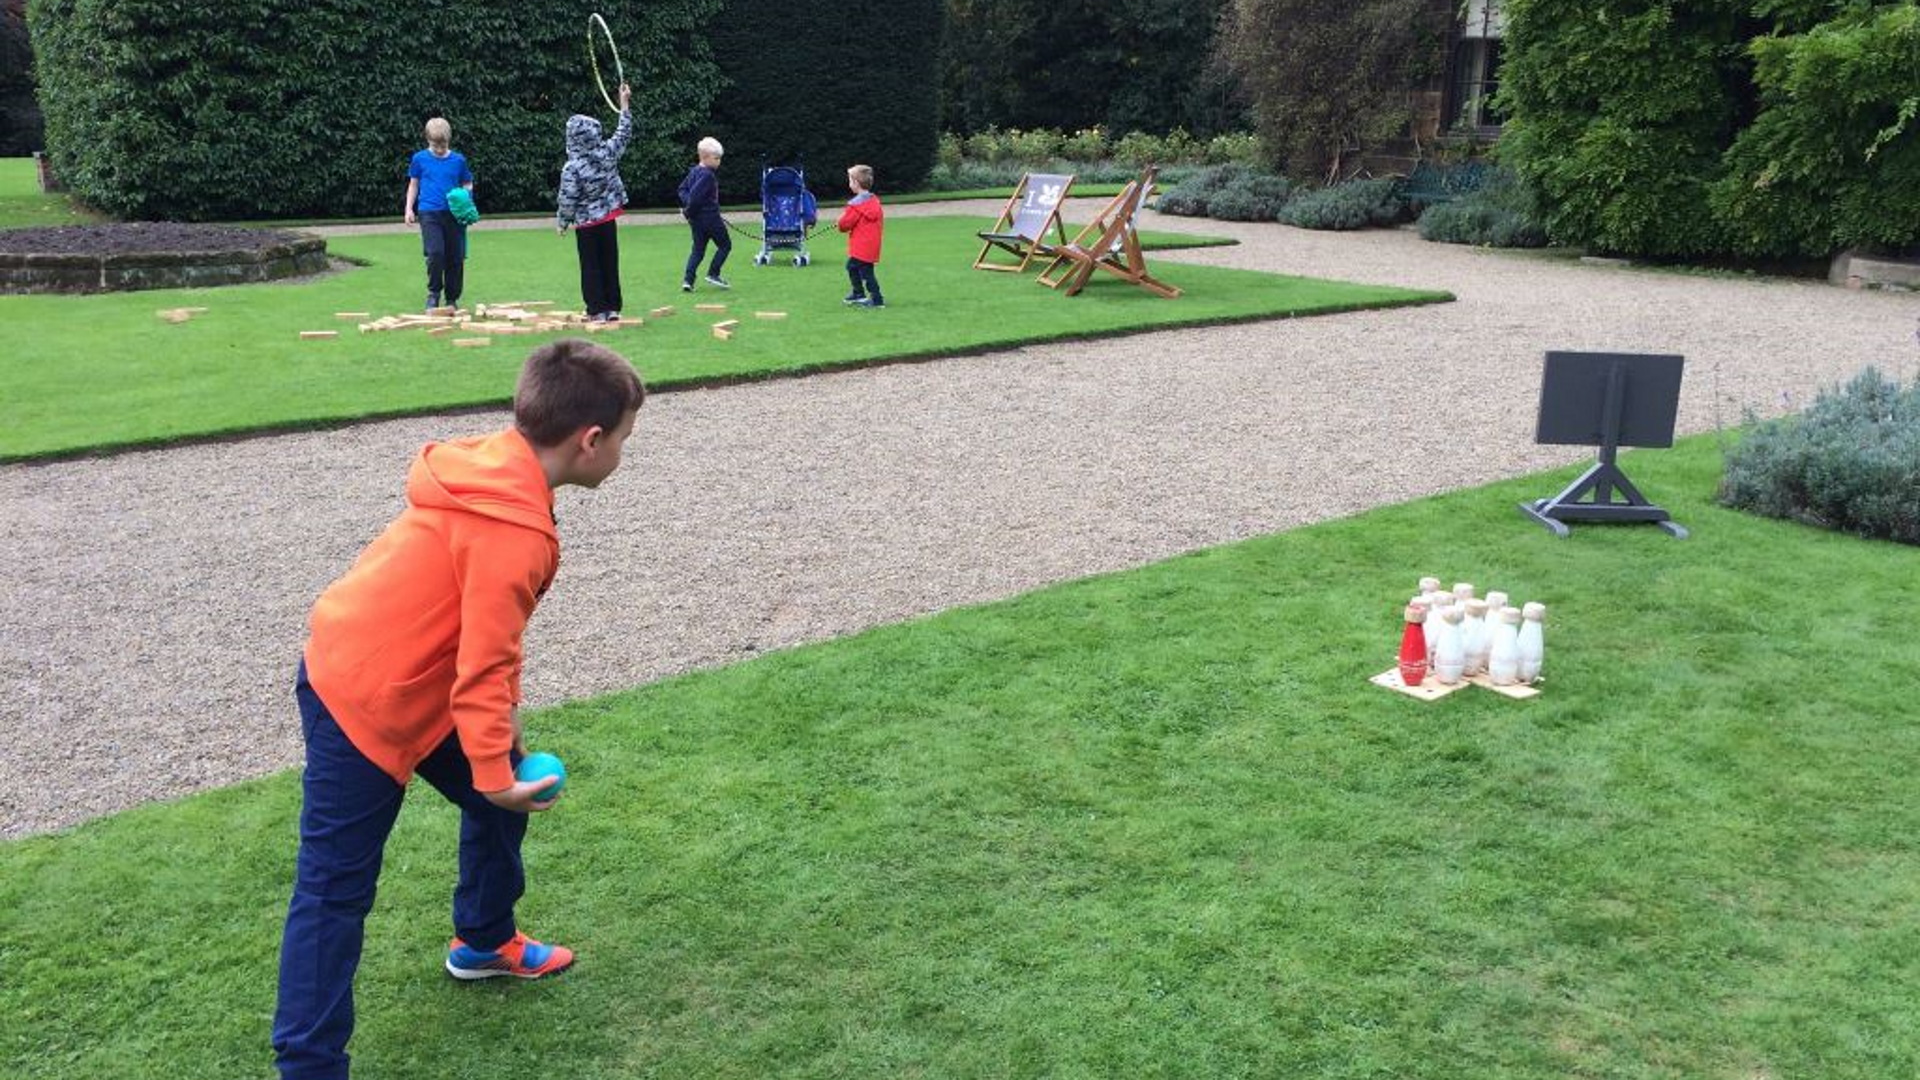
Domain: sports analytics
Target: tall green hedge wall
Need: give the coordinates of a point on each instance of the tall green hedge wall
(235, 109)
(1743, 128)
(827, 85)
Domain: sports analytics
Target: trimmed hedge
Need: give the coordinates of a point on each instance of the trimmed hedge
(224, 110)
(1498, 213)
(1356, 204)
(1851, 462)
(809, 84)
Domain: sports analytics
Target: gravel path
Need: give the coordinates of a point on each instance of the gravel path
(154, 603)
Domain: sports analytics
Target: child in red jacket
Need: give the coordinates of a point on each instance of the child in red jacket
(862, 221)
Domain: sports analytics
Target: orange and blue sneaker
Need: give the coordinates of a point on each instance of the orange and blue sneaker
(522, 958)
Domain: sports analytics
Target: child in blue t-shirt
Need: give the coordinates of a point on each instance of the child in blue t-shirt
(431, 174)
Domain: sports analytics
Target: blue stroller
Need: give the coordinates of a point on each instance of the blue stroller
(787, 211)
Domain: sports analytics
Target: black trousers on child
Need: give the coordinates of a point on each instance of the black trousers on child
(444, 242)
(860, 273)
(707, 227)
(599, 266)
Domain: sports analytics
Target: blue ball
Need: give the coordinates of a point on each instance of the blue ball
(539, 767)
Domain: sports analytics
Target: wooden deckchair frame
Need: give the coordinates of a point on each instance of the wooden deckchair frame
(1005, 233)
(1110, 242)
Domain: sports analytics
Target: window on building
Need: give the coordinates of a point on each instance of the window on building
(1474, 68)
(1476, 76)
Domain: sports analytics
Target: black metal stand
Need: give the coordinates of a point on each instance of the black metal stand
(1601, 483)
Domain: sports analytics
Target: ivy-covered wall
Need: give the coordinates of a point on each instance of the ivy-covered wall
(233, 109)
(1742, 128)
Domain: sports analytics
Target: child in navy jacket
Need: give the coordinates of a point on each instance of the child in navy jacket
(700, 205)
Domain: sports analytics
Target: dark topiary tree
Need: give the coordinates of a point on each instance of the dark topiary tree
(1127, 65)
(1329, 79)
(20, 125)
(822, 86)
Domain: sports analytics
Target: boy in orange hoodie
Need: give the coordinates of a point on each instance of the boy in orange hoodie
(413, 666)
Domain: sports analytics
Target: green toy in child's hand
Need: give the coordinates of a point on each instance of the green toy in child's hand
(460, 205)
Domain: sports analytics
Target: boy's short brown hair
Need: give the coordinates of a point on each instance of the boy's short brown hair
(862, 173)
(571, 384)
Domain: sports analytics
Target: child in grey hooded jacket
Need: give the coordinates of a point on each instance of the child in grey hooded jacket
(591, 200)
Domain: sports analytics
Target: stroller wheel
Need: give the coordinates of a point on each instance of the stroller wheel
(800, 260)
(761, 259)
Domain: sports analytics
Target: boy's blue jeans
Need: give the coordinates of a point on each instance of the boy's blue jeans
(860, 274)
(444, 242)
(708, 227)
(348, 809)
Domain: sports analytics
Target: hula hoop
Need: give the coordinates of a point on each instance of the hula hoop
(593, 57)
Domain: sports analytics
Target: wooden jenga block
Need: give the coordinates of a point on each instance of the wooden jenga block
(729, 325)
(723, 333)
(661, 312)
(473, 342)
(769, 314)
(318, 335)
(438, 330)
(709, 307)
(353, 314)
(448, 312)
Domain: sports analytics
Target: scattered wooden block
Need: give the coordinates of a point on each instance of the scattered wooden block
(723, 333)
(473, 342)
(438, 330)
(599, 327)
(729, 324)
(709, 307)
(769, 314)
(449, 312)
(661, 312)
(318, 335)
(353, 314)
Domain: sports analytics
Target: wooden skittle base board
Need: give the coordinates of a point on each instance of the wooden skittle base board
(1433, 690)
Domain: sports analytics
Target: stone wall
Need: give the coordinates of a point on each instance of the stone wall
(69, 273)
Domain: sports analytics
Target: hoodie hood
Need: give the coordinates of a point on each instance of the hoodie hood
(583, 135)
(496, 476)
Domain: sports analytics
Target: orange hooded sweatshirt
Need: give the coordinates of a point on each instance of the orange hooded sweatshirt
(422, 636)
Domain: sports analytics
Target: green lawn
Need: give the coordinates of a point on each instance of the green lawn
(241, 366)
(1152, 824)
(23, 205)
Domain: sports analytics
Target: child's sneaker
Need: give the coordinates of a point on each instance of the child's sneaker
(718, 282)
(854, 298)
(522, 958)
(686, 286)
(870, 302)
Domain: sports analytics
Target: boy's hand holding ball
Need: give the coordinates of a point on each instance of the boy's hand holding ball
(537, 768)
